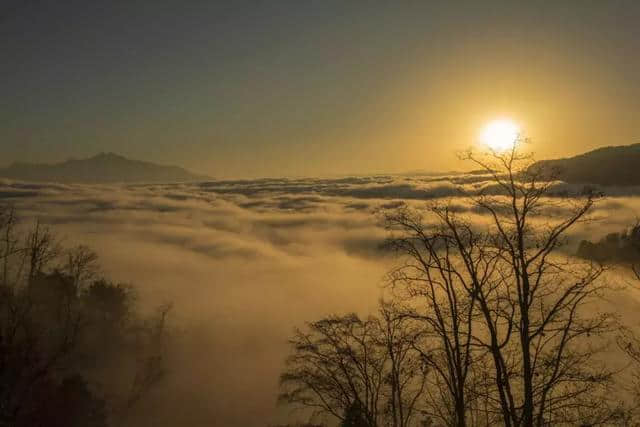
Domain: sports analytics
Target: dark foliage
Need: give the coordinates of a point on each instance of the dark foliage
(354, 416)
(613, 248)
(66, 333)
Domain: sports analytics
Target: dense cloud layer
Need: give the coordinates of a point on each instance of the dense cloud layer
(246, 261)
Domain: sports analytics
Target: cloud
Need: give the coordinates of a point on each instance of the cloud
(246, 261)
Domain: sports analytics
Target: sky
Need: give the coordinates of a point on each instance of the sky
(309, 88)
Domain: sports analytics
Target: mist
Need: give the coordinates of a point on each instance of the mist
(245, 262)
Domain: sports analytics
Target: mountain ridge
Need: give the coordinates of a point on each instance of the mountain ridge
(611, 165)
(104, 167)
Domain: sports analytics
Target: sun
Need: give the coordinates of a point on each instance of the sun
(500, 135)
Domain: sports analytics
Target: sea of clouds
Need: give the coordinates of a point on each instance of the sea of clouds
(244, 262)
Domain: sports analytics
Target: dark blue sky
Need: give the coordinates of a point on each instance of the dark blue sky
(312, 87)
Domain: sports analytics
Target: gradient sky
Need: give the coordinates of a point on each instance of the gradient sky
(247, 89)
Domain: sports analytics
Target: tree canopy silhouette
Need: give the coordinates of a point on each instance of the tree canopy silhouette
(63, 329)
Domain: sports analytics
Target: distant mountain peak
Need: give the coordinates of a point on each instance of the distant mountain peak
(104, 167)
(108, 156)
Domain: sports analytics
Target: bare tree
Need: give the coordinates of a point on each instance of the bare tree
(10, 242)
(81, 264)
(406, 373)
(39, 323)
(501, 288)
(444, 302)
(546, 295)
(347, 367)
(333, 365)
(41, 248)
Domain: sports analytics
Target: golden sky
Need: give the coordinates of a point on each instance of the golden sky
(251, 89)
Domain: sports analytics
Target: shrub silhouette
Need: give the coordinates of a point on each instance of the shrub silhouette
(65, 333)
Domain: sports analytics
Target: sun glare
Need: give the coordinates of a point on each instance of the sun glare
(500, 135)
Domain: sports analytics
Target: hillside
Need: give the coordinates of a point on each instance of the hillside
(619, 165)
(103, 168)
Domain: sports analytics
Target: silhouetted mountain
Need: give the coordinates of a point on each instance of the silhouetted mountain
(618, 165)
(103, 168)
